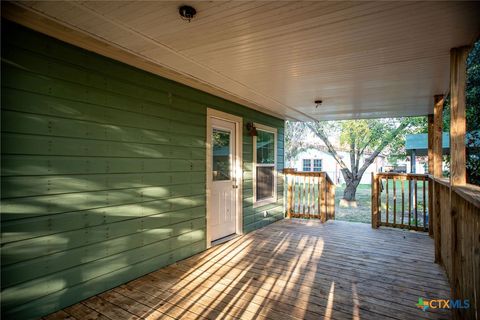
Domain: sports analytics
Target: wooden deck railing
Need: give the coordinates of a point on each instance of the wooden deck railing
(453, 215)
(310, 195)
(399, 200)
(456, 230)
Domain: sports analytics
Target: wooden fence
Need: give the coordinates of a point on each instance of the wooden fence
(399, 200)
(310, 195)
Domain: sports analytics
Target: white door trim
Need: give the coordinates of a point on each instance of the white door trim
(212, 113)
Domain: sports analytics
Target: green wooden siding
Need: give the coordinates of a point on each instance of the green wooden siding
(103, 172)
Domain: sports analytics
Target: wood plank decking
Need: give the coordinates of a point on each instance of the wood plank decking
(292, 269)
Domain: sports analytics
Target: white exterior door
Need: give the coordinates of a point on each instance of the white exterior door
(224, 184)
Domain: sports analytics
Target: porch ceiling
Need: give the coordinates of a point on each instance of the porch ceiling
(363, 59)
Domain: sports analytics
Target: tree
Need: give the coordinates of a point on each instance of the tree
(294, 140)
(361, 136)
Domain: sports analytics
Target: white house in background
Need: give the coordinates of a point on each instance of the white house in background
(319, 159)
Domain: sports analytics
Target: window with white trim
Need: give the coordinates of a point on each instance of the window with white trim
(307, 165)
(265, 165)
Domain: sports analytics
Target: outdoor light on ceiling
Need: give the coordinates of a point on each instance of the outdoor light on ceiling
(252, 131)
(187, 13)
(318, 103)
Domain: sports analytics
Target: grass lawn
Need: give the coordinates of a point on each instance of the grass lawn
(360, 214)
(363, 211)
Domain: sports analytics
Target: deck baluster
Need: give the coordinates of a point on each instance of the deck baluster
(409, 202)
(403, 204)
(386, 200)
(415, 203)
(394, 202)
(424, 207)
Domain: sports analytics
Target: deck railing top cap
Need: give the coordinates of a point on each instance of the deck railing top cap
(294, 172)
(397, 174)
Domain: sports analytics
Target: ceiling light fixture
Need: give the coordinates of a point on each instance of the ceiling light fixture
(187, 12)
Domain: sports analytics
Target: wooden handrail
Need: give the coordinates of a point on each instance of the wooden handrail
(310, 195)
(403, 175)
(469, 193)
(443, 181)
(456, 212)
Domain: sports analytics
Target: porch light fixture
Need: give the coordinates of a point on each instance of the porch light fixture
(318, 103)
(187, 12)
(252, 131)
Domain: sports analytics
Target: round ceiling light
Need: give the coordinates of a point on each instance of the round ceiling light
(187, 12)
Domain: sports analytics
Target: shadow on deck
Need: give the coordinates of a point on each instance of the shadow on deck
(290, 269)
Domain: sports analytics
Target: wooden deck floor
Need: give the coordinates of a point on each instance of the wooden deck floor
(290, 269)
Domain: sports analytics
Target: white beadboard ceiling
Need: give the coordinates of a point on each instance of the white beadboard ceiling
(363, 59)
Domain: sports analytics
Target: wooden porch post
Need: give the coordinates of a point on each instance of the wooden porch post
(374, 201)
(437, 136)
(458, 59)
(430, 143)
(437, 155)
(458, 174)
(430, 172)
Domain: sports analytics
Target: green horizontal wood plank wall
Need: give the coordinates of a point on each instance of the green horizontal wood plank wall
(103, 172)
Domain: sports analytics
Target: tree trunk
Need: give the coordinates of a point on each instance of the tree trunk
(350, 189)
(353, 175)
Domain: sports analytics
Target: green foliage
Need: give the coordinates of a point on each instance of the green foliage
(360, 136)
(365, 140)
(473, 89)
(396, 149)
(220, 139)
(472, 98)
(367, 134)
(363, 134)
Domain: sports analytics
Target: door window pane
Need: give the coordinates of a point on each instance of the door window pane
(221, 155)
(265, 181)
(265, 147)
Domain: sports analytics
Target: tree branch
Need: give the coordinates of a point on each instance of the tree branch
(362, 150)
(319, 133)
(383, 144)
(352, 157)
(357, 162)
